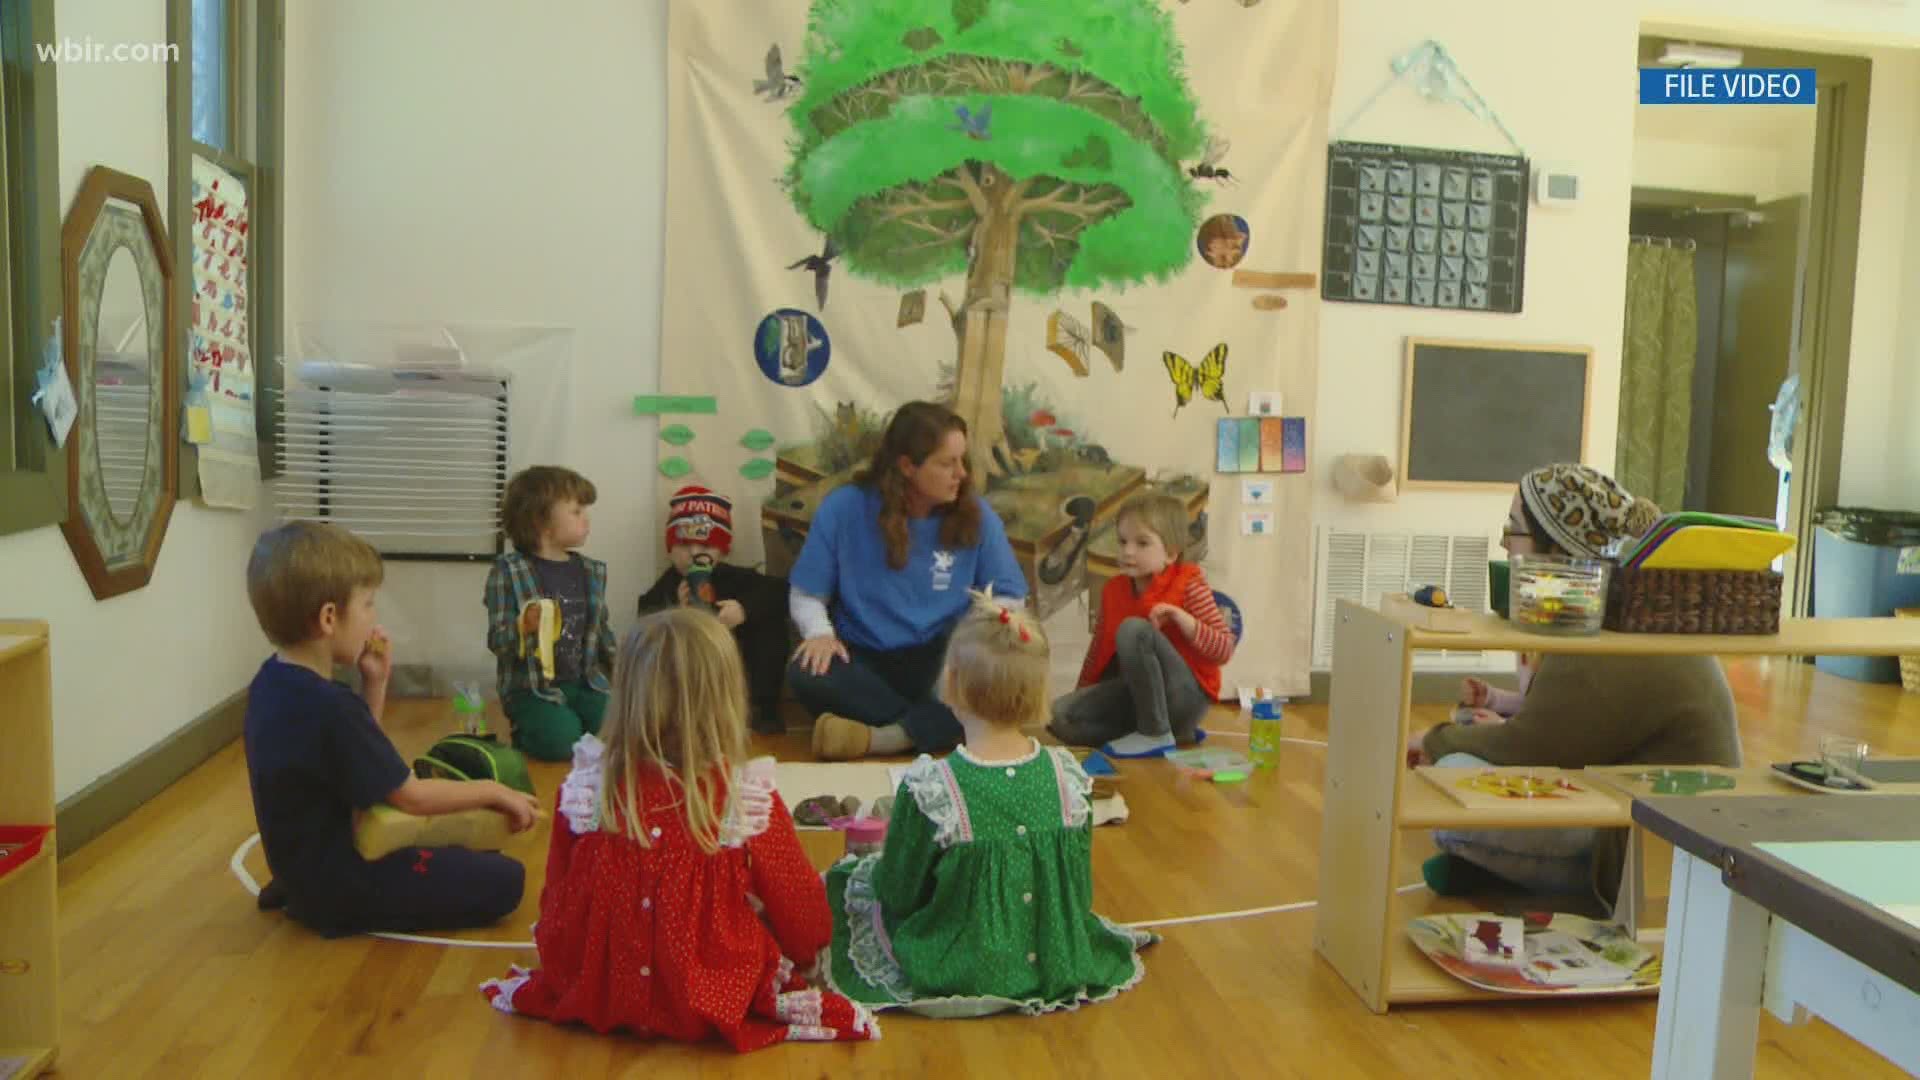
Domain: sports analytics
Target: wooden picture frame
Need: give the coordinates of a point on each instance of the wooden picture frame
(1407, 479)
(118, 556)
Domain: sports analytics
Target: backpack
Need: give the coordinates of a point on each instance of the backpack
(474, 757)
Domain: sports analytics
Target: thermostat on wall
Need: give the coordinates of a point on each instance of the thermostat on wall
(1555, 187)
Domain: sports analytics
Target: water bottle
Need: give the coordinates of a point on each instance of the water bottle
(1263, 730)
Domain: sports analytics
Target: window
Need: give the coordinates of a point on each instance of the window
(33, 472)
(412, 458)
(226, 115)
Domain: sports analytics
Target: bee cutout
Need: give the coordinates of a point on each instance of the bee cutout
(973, 124)
(778, 84)
(1210, 167)
(1210, 377)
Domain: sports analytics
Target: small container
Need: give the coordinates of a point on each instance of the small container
(865, 836)
(1551, 594)
(1263, 733)
(1842, 755)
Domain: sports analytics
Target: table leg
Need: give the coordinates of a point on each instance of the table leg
(1711, 974)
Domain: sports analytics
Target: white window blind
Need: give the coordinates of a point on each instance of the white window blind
(417, 467)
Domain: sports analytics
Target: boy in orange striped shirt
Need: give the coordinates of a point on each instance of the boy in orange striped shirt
(1154, 664)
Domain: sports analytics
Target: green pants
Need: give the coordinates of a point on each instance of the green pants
(546, 729)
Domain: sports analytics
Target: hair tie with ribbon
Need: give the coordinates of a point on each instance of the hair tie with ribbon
(1005, 616)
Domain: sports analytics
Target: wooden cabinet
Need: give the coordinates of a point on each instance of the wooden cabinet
(29, 962)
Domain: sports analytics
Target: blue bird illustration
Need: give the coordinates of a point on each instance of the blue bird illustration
(973, 124)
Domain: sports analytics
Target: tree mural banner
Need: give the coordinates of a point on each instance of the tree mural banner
(1089, 226)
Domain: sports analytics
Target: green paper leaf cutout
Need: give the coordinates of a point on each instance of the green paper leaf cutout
(677, 434)
(674, 468)
(758, 469)
(757, 440)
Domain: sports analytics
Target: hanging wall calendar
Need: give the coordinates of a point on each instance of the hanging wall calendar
(1427, 228)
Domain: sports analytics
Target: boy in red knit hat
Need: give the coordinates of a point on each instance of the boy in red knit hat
(749, 603)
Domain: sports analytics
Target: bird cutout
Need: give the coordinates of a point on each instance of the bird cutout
(1110, 335)
(778, 84)
(973, 124)
(1209, 167)
(1068, 48)
(820, 266)
(913, 308)
(1209, 377)
(1068, 340)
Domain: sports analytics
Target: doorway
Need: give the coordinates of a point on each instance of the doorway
(1748, 220)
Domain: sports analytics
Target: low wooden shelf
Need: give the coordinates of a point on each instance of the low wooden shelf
(29, 962)
(1371, 797)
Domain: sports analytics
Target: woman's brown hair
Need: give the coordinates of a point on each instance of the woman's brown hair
(915, 432)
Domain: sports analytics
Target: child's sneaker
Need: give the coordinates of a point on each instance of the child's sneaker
(1138, 745)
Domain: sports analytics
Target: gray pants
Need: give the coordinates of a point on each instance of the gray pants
(1147, 688)
(1556, 862)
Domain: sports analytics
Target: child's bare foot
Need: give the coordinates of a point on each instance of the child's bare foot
(1474, 693)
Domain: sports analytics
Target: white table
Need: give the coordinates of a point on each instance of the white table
(1766, 910)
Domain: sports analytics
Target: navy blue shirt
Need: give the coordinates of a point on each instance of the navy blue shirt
(314, 756)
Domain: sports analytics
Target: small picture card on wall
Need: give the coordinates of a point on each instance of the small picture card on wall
(1256, 492)
(1249, 443)
(1227, 446)
(1264, 403)
(1293, 444)
(1256, 522)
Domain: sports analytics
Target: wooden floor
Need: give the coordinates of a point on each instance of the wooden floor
(169, 971)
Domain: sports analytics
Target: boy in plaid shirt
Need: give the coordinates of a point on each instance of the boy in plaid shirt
(545, 515)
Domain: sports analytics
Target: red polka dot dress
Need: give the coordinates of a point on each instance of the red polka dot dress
(669, 941)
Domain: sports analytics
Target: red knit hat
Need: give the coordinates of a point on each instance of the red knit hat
(697, 515)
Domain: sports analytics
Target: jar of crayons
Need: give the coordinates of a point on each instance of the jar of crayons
(1552, 594)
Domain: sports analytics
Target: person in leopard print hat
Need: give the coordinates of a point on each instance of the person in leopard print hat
(1578, 510)
(1579, 710)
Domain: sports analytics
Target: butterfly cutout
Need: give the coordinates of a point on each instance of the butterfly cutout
(1210, 377)
(973, 124)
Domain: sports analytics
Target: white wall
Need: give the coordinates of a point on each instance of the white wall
(493, 163)
(130, 671)
(1766, 153)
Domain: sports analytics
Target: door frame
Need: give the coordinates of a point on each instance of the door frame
(1825, 318)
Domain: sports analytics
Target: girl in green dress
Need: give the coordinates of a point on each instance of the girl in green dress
(981, 900)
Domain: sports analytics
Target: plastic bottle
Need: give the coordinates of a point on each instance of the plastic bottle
(866, 836)
(469, 709)
(1263, 730)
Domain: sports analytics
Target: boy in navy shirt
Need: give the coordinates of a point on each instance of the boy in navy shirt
(316, 754)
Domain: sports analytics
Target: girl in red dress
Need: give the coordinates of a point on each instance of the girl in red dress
(678, 902)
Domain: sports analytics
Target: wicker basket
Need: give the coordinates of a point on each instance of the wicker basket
(1909, 665)
(1641, 601)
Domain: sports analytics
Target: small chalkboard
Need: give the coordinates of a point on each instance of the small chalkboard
(1480, 413)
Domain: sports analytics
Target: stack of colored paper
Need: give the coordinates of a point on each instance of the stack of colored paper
(1699, 541)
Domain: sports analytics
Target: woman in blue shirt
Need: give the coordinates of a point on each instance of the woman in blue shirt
(881, 581)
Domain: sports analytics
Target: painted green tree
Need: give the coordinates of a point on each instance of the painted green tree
(1030, 145)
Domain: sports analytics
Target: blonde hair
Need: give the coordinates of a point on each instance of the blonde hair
(299, 568)
(1160, 514)
(679, 704)
(997, 665)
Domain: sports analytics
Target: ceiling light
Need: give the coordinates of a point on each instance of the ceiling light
(1688, 55)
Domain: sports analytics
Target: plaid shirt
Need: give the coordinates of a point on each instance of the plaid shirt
(510, 584)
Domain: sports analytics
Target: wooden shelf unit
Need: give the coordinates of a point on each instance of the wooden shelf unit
(1371, 797)
(29, 962)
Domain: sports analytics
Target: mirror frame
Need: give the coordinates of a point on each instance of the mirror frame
(100, 185)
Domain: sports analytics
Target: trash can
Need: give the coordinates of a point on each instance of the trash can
(1866, 563)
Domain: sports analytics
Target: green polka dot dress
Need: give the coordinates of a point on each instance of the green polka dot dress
(982, 899)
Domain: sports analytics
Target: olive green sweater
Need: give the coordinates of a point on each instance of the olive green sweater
(1609, 710)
